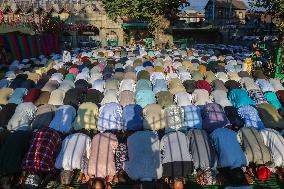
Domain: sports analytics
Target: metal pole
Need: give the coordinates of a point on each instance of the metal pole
(230, 11)
(213, 11)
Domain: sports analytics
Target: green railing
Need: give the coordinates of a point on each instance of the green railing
(181, 43)
(279, 72)
(184, 42)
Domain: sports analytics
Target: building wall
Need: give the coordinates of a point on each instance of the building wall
(108, 29)
(43, 3)
(98, 18)
(221, 15)
(106, 26)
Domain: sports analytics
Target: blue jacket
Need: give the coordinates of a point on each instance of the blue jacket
(132, 117)
(229, 151)
(160, 85)
(17, 96)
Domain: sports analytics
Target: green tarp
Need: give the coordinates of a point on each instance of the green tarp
(7, 28)
(135, 25)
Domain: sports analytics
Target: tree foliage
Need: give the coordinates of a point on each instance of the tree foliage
(146, 10)
(273, 7)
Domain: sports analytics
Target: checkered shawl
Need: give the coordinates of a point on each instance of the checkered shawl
(44, 144)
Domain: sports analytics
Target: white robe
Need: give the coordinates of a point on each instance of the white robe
(66, 56)
(275, 143)
(75, 149)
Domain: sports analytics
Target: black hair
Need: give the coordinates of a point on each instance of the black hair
(160, 184)
(146, 185)
(92, 182)
(121, 136)
(236, 177)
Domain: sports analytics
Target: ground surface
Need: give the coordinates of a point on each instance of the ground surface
(272, 183)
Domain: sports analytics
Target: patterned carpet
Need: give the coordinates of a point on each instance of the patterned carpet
(272, 183)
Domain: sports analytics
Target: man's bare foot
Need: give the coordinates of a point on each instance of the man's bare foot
(108, 185)
(80, 177)
(250, 172)
(249, 178)
(177, 184)
(116, 179)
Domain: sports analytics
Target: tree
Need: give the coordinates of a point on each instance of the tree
(275, 8)
(151, 11)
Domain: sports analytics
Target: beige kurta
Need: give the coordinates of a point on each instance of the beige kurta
(153, 117)
(87, 116)
(176, 86)
(126, 98)
(5, 93)
(34, 77)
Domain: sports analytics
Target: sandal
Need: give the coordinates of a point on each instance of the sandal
(183, 180)
(168, 180)
(116, 179)
(250, 172)
(21, 180)
(249, 179)
(220, 180)
(85, 179)
(80, 177)
(121, 178)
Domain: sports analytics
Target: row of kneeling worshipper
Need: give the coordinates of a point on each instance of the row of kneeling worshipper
(29, 158)
(164, 113)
